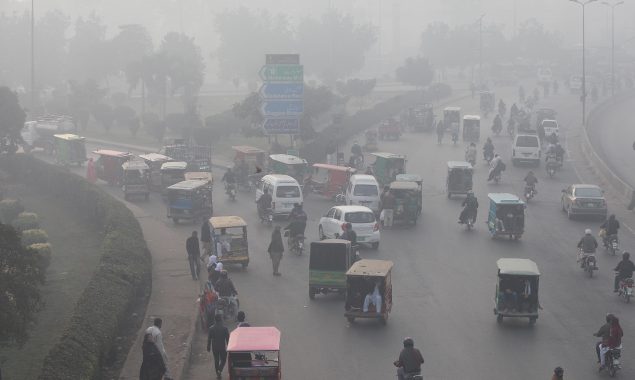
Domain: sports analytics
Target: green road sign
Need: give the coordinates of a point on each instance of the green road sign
(282, 73)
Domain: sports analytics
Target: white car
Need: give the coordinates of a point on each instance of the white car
(362, 219)
(550, 127)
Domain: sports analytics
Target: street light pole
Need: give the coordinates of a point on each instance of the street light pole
(32, 57)
(583, 4)
(612, 6)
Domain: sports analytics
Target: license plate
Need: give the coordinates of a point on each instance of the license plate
(590, 205)
(361, 238)
(287, 204)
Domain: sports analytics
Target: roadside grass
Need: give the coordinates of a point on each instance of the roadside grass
(76, 254)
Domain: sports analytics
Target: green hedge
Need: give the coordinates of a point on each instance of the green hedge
(9, 210)
(124, 270)
(44, 250)
(34, 237)
(26, 221)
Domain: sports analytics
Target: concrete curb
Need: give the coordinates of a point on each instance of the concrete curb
(622, 189)
(187, 355)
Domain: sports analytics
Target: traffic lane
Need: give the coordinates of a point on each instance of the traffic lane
(613, 140)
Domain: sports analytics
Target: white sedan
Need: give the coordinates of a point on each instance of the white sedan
(361, 218)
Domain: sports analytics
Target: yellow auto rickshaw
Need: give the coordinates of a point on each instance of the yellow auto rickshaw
(229, 239)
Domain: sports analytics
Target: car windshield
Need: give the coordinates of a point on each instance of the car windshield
(588, 192)
(365, 190)
(527, 141)
(288, 192)
(359, 217)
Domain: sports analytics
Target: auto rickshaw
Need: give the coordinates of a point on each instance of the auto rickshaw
(517, 290)
(545, 114)
(229, 239)
(451, 115)
(108, 165)
(329, 180)
(136, 179)
(422, 118)
(201, 176)
(389, 129)
(487, 102)
(459, 179)
(171, 173)
(154, 161)
(471, 128)
(371, 140)
(189, 200)
(293, 166)
(416, 179)
(387, 166)
(247, 161)
(506, 215)
(253, 353)
(361, 280)
(328, 262)
(407, 202)
(70, 149)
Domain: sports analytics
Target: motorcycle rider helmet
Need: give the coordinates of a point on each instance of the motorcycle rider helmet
(587, 231)
(626, 256)
(408, 342)
(609, 317)
(558, 371)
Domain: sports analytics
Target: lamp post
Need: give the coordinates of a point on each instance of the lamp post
(583, 4)
(32, 57)
(612, 6)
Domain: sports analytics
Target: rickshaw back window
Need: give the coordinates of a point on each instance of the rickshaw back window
(359, 217)
(527, 141)
(588, 192)
(365, 190)
(288, 192)
(328, 258)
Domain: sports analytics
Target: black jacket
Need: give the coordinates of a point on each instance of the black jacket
(225, 287)
(588, 244)
(410, 359)
(191, 246)
(611, 226)
(625, 268)
(217, 337)
(205, 233)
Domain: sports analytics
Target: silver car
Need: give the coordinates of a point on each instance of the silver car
(584, 199)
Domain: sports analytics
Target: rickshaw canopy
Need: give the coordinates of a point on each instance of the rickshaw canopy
(451, 109)
(254, 339)
(112, 153)
(370, 268)
(459, 165)
(505, 198)
(188, 185)
(226, 221)
(389, 156)
(335, 168)
(246, 149)
(200, 176)
(287, 159)
(155, 157)
(135, 165)
(409, 178)
(69, 137)
(175, 165)
(471, 118)
(399, 185)
(517, 267)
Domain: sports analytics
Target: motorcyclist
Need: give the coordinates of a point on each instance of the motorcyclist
(603, 333)
(587, 245)
(497, 125)
(349, 234)
(297, 221)
(513, 112)
(531, 181)
(226, 289)
(496, 167)
(470, 153)
(610, 226)
(488, 149)
(502, 108)
(455, 132)
(264, 202)
(511, 126)
(551, 157)
(624, 269)
(559, 153)
(558, 374)
(230, 179)
(410, 360)
(356, 151)
(470, 208)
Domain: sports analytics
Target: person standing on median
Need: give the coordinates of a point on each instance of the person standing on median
(217, 339)
(276, 247)
(193, 254)
(155, 360)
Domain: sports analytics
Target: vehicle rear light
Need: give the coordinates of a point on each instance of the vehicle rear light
(273, 205)
(376, 227)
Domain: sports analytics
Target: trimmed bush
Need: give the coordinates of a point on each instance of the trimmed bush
(123, 273)
(26, 221)
(34, 237)
(9, 210)
(44, 251)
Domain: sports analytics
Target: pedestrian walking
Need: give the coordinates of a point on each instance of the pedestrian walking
(154, 365)
(193, 254)
(91, 172)
(240, 318)
(217, 339)
(206, 238)
(275, 249)
(440, 131)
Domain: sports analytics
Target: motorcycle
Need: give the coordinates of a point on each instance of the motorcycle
(497, 178)
(470, 156)
(226, 308)
(530, 192)
(626, 289)
(230, 190)
(295, 243)
(589, 263)
(551, 167)
(470, 219)
(612, 361)
(266, 216)
(611, 244)
(455, 137)
(358, 161)
(488, 157)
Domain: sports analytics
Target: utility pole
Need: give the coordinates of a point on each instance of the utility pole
(612, 6)
(583, 4)
(32, 58)
(480, 49)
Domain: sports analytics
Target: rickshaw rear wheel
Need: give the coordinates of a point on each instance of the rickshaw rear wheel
(532, 321)
(311, 292)
(244, 265)
(499, 318)
(321, 233)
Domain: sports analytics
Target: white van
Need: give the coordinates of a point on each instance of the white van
(284, 190)
(363, 190)
(526, 148)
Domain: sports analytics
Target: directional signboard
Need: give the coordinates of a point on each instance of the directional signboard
(281, 126)
(283, 59)
(282, 91)
(282, 108)
(282, 73)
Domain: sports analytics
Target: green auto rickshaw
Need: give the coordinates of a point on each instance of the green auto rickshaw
(459, 180)
(293, 166)
(506, 215)
(70, 149)
(407, 202)
(328, 262)
(517, 290)
(387, 166)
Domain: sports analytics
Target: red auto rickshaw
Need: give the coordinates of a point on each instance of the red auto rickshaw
(254, 354)
(329, 180)
(108, 165)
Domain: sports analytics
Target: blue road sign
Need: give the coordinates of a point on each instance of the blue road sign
(282, 108)
(288, 126)
(282, 91)
(282, 73)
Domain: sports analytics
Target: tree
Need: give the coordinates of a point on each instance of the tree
(185, 67)
(130, 45)
(104, 115)
(89, 53)
(245, 38)
(12, 118)
(15, 31)
(249, 109)
(51, 44)
(416, 71)
(534, 42)
(356, 88)
(126, 117)
(82, 100)
(333, 46)
(21, 275)
(317, 101)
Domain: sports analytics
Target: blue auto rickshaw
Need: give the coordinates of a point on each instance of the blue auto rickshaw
(189, 200)
(506, 215)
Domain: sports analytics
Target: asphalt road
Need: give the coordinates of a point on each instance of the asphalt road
(443, 282)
